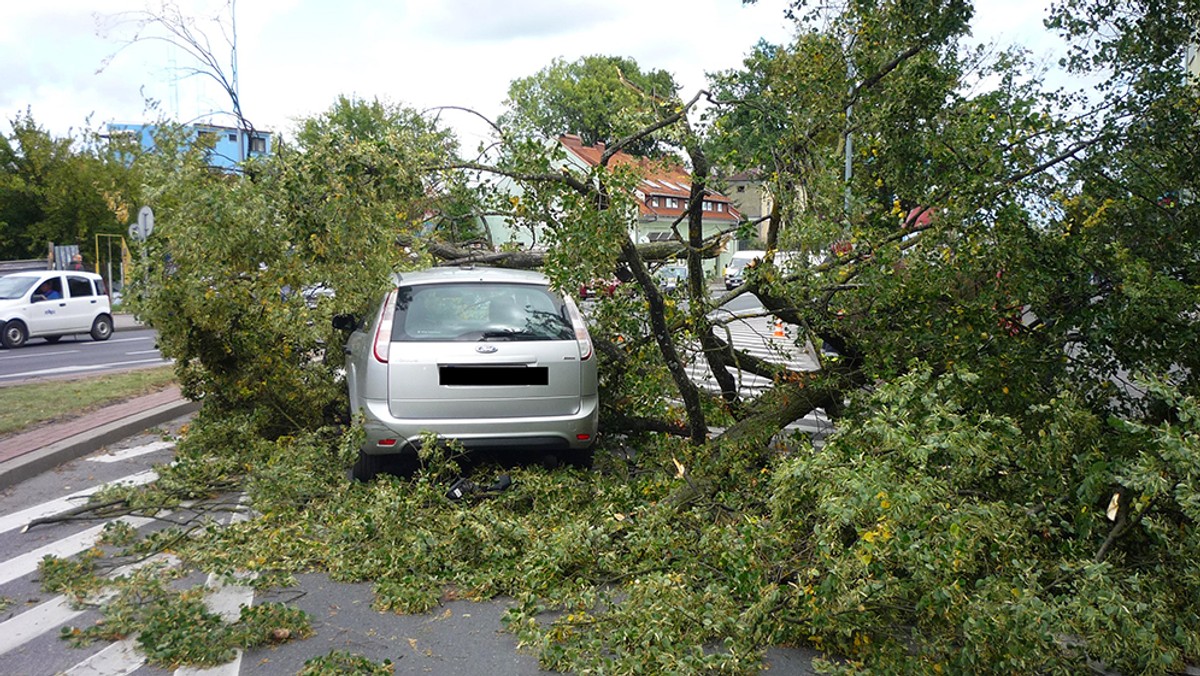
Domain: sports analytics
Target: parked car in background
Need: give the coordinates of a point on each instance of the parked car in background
(736, 268)
(491, 358)
(672, 277)
(50, 304)
(599, 287)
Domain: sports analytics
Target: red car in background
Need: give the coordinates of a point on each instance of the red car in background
(599, 287)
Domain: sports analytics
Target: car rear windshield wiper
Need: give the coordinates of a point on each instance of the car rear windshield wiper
(510, 334)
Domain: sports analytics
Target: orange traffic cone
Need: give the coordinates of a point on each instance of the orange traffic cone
(779, 329)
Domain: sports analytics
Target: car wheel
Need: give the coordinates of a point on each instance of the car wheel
(368, 466)
(15, 334)
(580, 457)
(51, 339)
(102, 328)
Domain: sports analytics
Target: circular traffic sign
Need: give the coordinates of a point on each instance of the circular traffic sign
(146, 221)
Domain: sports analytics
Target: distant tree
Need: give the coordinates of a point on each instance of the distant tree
(600, 98)
(62, 190)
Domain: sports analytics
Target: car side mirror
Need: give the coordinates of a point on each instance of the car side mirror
(345, 322)
(37, 298)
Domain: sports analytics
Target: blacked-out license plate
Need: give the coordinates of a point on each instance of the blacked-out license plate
(493, 375)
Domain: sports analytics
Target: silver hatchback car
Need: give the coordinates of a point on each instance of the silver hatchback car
(488, 357)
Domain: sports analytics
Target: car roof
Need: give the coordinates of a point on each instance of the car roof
(45, 273)
(472, 274)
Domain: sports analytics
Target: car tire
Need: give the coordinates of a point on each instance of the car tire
(368, 466)
(102, 327)
(52, 339)
(580, 457)
(15, 334)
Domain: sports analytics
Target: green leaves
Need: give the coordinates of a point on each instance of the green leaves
(227, 271)
(600, 98)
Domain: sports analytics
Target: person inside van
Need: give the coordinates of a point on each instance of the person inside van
(48, 291)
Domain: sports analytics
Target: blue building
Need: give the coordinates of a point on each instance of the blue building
(228, 146)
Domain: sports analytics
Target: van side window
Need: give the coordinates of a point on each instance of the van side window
(80, 287)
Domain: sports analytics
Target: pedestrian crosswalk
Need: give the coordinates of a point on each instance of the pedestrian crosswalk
(29, 640)
(762, 336)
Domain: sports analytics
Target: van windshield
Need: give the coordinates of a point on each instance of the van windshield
(15, 287)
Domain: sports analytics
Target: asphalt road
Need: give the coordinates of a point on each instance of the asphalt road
(129, 347)
(458, 638)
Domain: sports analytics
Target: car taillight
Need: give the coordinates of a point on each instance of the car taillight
(383, 332)
(581, 333)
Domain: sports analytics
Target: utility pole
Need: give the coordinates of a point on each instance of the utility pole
(243, 134)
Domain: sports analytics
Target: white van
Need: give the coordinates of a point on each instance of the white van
(51, 304)
(737, 266)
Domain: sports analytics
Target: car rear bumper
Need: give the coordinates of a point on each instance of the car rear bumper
(387, 434)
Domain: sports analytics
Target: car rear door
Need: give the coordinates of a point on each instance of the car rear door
(80, 304)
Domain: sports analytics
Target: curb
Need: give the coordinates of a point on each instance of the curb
(37, 461)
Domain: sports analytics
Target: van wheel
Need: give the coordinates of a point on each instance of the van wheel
(15, 334)
(102, 328)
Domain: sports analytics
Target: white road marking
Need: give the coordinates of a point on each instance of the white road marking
(40, 356)
(227, 601)
(110, 341)
(75, 369)
(142, 352)
(125, 454)
(34, 622)
(56, 612)
(20, 566)
(19, 519)
(118, 659)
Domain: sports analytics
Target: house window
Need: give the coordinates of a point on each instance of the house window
(258, 144)
(233, 137)
(653, 201)
(720, 206)
(673, 203)
(741, 188)
(708, 206)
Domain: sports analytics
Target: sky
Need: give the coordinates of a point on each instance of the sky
(70, 63)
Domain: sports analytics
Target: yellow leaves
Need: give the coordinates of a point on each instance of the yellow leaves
(1097, 216)
(881, 533)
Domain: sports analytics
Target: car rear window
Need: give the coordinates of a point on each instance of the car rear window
(476, 311)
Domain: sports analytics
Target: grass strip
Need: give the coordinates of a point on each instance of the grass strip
(22, 406)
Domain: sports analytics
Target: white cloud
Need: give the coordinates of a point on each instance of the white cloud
(297, 56)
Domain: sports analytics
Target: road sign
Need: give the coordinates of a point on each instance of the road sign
(146, 221)
(135, 232)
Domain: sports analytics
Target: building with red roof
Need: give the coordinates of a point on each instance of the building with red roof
(662, 199)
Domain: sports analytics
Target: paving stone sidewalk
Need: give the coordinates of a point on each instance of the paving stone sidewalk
(25, 454)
